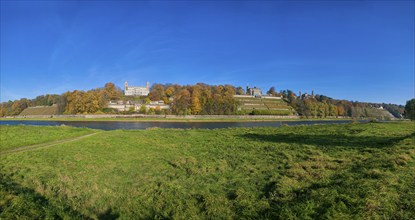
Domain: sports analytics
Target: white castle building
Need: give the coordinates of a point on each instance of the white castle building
(136, 90)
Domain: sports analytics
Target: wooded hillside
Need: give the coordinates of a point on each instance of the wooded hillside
(203, 99)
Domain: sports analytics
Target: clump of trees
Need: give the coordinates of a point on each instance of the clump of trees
(184, 100)
(199, 99)
(75, 102)
(323, 106)
(410, 109)
(92, 101)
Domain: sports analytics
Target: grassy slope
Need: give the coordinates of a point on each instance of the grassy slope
(334, 171)
(44, 110)
(18, 136)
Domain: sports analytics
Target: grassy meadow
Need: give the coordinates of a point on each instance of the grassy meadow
(351, 171)
(19, 136)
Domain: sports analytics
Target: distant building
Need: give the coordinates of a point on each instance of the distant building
(253, 91)
(305, 95)
(136, 90)
(128, 105)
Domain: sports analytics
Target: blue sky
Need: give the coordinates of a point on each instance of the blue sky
(354, 50)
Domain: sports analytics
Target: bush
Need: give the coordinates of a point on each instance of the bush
(109, 110)
(270, 112)
(410, 109)
(143, 109)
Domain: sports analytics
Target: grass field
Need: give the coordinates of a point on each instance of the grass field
(19, 136)
(353, 171)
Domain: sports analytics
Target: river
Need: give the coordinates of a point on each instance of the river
(112, 125)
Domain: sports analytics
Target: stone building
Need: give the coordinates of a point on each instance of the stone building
(253, 91)
(136, 90)
(128, 105)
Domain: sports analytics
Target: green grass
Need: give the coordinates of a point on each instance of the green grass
(353, 171)
(19, 136)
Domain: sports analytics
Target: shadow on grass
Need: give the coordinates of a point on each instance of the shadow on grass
(109, 214)
(338, 140)
(27, 203)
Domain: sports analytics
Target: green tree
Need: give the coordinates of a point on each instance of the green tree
(143, 109)
(332, 110)
(151, 111)
(410, 109)
(240, 91)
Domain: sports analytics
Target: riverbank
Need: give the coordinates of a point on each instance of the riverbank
(168, 118)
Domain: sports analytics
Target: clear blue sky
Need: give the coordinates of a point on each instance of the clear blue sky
(354, 50)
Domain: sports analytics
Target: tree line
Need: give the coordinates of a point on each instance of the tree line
(199, 99)
(323, 106)
(75, 102)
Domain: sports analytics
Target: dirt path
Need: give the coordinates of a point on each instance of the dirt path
(44, 145)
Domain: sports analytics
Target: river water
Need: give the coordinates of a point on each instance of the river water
(112, 125)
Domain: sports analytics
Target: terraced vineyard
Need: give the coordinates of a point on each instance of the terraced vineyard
(264, 106)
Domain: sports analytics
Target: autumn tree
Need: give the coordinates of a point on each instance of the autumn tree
(332, 110)
(169, 91)
(271, 91)
(91, 101)
(340, 110)
(18, 106)
(111, 92)
(157, 92)
(196, 106)
(2, 110)
(182, 102)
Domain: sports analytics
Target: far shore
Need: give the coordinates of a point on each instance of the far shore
(167, 118)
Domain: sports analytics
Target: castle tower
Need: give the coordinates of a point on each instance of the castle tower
(125, 85)
(148, 85)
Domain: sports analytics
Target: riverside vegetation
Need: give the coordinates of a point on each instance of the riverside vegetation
(200, 99)
(352, 171)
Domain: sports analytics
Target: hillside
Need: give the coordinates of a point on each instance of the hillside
(40, 110)
(203, 99)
